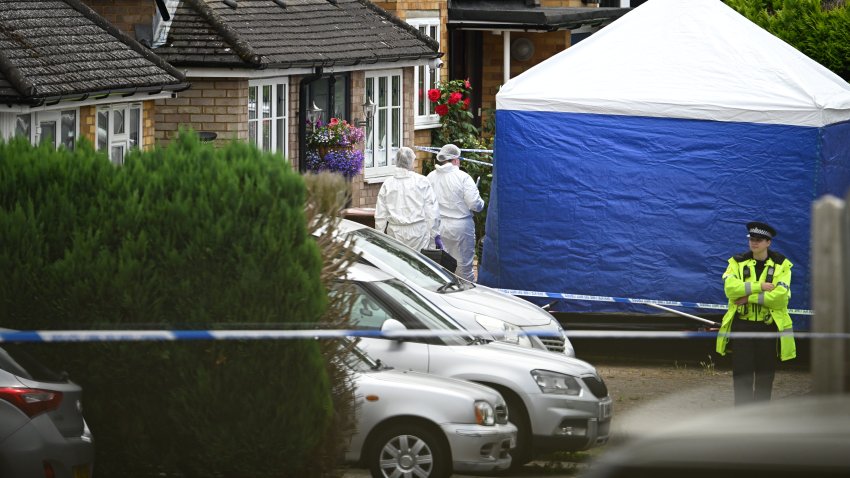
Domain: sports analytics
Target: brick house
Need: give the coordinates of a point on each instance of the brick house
(490, 41)
(68, 74)
(257, 66)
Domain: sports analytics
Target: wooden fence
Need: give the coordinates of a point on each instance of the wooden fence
(830, 291)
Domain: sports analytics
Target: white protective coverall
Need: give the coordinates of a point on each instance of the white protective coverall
(407, 209)
(458, 197)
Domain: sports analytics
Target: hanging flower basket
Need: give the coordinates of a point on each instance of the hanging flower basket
(333, 147)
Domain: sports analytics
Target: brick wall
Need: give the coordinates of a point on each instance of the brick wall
(125, 14)
(546, 45)
(217, 105)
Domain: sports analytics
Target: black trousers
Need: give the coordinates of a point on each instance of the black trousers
(753, 362)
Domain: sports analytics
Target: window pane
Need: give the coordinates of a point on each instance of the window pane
(421, 90)
(281, 136)
(432, 83)
(267, 101)
(382, 91)
(267, 135)
(117, 154)
(118, 121)
(252, 103)
(280, 105)
(48, 132)
(381, 160)
(395, 128)
(135, 127)
(340, 97)
(102, 129)
(69, 129)
(252, 132)
(23, 126)
(396, 93)
(319, 96)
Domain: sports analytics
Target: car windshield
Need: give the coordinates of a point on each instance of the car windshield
(406, 262)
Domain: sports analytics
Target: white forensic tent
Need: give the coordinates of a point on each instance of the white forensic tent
(626, 165)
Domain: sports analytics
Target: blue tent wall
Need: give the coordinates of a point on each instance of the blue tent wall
(645, 207)
(834, 176)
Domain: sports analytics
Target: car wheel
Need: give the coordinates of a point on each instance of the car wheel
(523, 453)
(409, 450)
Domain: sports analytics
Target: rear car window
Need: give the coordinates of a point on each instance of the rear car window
(15, 360)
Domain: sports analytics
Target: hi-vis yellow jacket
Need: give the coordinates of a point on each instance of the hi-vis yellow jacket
(768, 306)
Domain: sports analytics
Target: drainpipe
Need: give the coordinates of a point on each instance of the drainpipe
(302, 117)
(506, 56)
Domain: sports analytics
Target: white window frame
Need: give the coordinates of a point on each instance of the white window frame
(382, 161)
(8, 125)
(277, 140)
(121, 140)
(426, 75)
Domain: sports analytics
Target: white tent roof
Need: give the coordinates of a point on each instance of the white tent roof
(696, 59)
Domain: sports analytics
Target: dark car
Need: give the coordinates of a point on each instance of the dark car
(42, 430)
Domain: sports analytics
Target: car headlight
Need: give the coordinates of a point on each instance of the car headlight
(484, 413)
(504, 331)
(553, 382)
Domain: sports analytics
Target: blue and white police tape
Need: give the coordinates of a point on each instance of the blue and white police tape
(627, 300)
(58, 336)
(436, 150)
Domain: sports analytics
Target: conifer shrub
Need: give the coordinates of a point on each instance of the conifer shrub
(183, 237)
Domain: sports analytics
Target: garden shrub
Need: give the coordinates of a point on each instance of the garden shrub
(183, 237)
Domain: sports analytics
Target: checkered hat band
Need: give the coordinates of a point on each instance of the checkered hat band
(761, 232)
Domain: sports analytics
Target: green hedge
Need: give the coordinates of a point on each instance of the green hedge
(185, 237)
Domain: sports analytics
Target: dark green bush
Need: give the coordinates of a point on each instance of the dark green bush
(186, 237)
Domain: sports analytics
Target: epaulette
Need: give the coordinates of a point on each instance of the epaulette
(776, 257)
(745, 256)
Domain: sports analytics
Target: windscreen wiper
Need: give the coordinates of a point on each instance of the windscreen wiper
(451, 283)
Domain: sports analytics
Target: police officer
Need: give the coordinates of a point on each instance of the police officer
(758, 286)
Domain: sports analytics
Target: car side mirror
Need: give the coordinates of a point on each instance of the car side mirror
(392, 328)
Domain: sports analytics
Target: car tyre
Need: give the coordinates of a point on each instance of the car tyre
(523, 453)
(409, 450)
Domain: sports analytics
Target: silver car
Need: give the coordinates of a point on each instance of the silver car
(415, 424)
(556, 402)
(42, 430)
(477, 308)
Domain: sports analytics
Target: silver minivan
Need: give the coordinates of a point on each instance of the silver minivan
(556, 402)
(477, 308)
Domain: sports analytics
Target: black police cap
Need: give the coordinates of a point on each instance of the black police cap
(760, 229)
